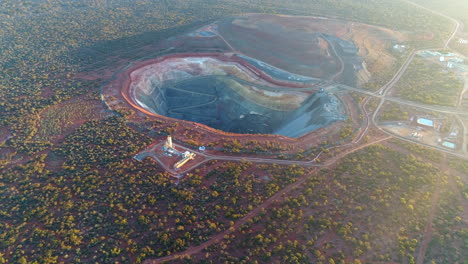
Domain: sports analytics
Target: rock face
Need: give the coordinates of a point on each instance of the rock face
(319, 110)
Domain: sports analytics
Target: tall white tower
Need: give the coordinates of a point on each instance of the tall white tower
(168, 143)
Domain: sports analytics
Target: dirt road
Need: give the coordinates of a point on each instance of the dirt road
(428, 230)
(457, 24)
(342, 65)
(465, 90)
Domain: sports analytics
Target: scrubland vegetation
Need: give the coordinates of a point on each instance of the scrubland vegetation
(102, 205)
(70, 191)
(374, 206)
(393, 112)
(429, 83)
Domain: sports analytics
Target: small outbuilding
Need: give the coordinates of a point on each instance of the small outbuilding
(425, 122)
(449, 144)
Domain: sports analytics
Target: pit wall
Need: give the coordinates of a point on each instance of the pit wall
(149, 79)
(226, 59)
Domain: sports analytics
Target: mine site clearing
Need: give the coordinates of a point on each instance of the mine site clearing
(446, 132)
(242, 76)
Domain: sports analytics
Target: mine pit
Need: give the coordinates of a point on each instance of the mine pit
(232, 93)
(254, 74)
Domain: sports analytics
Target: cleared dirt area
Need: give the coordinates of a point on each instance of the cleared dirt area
(428, 136)
(60, 119)
(303, 45)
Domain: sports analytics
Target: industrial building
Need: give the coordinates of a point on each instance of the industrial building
(451, 57)
(186, 156)
(454, 133)
(449, 144)
(168, 144)
(170, 150)
(416, 135)
(428, 53)
(453, 60)
(457, 66)
(426, 122)
(399, 48)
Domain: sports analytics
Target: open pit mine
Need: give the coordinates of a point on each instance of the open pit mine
(253, 74)
(228, 93)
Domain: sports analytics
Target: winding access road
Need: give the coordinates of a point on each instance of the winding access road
(342, 64)
(177, 110)
(453, 20)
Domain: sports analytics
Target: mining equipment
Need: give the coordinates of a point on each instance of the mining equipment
(170, 150)
(186, 156)
(168, 144)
